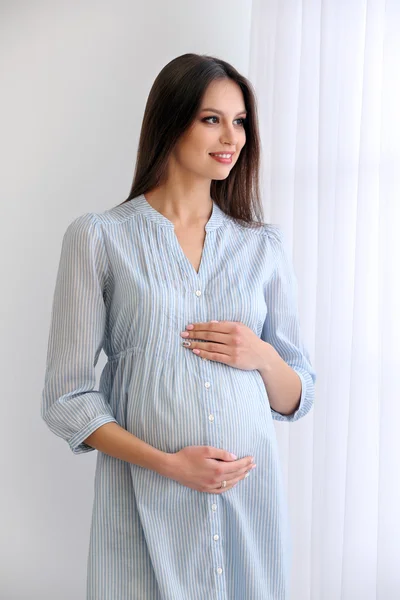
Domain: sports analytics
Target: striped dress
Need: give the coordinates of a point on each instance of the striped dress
(124, 285)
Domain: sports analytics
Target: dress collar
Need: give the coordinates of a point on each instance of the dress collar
(141, 206)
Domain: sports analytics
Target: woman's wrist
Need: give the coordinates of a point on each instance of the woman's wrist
(165, 464)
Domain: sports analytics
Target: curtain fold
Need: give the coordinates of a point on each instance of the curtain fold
(327, 78)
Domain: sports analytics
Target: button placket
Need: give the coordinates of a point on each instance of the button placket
(215, 521)
(213, 441)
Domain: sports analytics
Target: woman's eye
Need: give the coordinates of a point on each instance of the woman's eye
(242, 120)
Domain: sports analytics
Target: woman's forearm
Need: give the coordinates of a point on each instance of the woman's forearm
(116, 441)
(282, 383)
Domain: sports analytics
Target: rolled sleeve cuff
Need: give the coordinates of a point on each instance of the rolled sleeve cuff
(76, 441)
(306, 400)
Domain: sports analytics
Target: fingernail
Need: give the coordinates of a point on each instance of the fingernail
(234, 456)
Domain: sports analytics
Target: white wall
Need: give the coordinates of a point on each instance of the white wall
(74, 80)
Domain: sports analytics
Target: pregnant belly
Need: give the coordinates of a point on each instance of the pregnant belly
(169, 411)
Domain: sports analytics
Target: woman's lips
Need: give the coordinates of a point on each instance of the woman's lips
(227, 161)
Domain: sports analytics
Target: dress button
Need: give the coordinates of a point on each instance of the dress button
(211, 417)
(207, 384)
(216, 537)
(214, 507)
(219, 570)
(198, 292)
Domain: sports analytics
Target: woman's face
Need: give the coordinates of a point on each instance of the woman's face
(213, 132)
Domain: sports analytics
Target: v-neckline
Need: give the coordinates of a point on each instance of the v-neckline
(216, 220)
(185, 260)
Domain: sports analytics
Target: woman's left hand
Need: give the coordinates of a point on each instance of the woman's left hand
(229, 342)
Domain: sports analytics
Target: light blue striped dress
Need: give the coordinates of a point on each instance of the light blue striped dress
(125, 285)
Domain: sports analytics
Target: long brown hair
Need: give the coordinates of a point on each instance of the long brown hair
(172, 105)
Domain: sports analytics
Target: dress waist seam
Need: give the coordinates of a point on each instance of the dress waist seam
(130, 350)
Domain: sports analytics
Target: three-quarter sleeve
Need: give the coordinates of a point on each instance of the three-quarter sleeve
(71, 407)
(281, 328)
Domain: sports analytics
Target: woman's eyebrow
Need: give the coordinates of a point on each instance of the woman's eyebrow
(221, 113)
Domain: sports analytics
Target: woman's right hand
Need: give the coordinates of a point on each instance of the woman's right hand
(203, 468)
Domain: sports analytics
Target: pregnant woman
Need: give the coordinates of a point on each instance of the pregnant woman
(194, 301)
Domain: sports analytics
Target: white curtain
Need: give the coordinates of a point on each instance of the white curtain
(327, 79)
